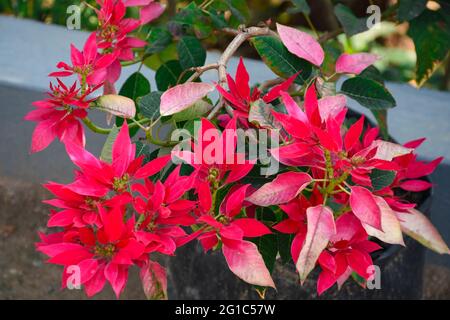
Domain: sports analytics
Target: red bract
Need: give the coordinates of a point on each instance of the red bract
(58, 116)
(411, 169)
(113, 35)
(348, 251)
(97, 178)
(242, 256)
(98, 255)
(150, 9)
(355, 153)
(162, 210)
(294, 224)
(89, 65)
(241, 97)
(79, 210)
(339, 188)
(215, 159)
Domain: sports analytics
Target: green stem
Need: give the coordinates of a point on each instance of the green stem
(329, 165)
(156, 141)
(311, 25)
(337, 182)
(94, 127)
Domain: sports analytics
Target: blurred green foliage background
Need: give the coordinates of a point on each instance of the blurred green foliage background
(390, 40)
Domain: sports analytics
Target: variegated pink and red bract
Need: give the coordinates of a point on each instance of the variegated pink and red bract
(341, 192)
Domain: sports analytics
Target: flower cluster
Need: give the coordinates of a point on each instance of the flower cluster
(341, 193)
(96, 66)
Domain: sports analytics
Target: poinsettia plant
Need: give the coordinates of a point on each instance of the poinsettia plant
(337, 194)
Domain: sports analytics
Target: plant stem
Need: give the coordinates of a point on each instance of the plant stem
(311, 25)
(241, 35)
(270, 83)
(94, 127)
(198, 72)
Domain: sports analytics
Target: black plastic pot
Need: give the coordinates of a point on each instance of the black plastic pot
(196, 275)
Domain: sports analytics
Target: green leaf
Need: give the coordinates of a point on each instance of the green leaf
(350, 23)
(190, 52)
(431, 35)
(333, 50)
(135, 86)
(106, 154)
(267, 246)
(157, 59)
(260, 114)
(191, 20)
(372, 73)
(239, 10)
(280, 60)
(158, 40)
(167, 75)
(195, 111)
(299, 6)
(217, 19)
(381, 178)
(359, 280)
(381, 117)
(368, 93)
(409, 9)
(284, 242)
(149, 104)
(220, 195)
(191, 127)
(143, 149)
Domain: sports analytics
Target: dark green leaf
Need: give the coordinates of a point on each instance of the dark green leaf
(284, 242)
(431, 35)
(191, 20)
(381, 178)
(351, 24)
(143, 149)
(280, 60)
(359, 280)
(106, 154)
(300, 6)
(381, 117)
(239, 10)
(218, 19)
(368, 93)
(373, 73)
(149, 104)
(167, 75)
(260, 114)
(190, 52)
(221, 194)
(195, 111)
(190, 126)
(135, 86)
(159, 39)
(267, 246)
(409, 9)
